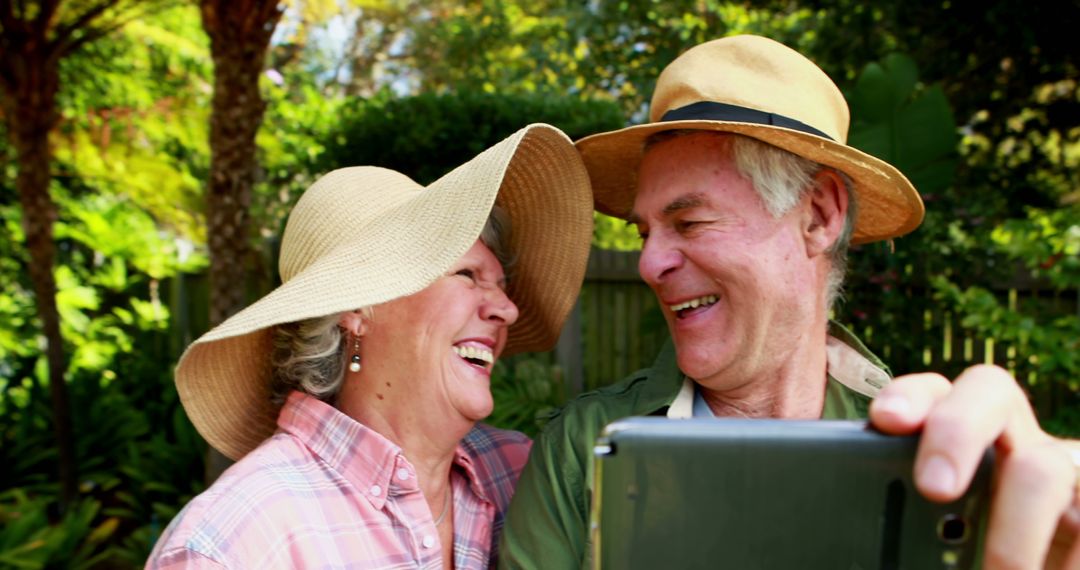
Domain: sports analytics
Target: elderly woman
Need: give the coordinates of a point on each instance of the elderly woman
(351, 394)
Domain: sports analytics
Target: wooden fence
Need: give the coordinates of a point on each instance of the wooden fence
(616, 326)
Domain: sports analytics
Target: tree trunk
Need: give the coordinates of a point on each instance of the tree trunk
(234, 121)
(240, 34)
(32, 81)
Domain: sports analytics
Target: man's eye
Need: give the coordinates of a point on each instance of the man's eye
(684, 225)
(467, 273)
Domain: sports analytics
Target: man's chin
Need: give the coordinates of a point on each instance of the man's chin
(698, 366)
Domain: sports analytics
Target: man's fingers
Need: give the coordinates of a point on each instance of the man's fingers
(954, 439)
(1033, 489)
(1065, 549)
(1036, 480)
(902, 406)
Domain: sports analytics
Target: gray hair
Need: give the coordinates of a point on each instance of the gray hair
(311, 355)
(781, 179)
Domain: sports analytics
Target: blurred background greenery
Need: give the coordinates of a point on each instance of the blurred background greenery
(115, 189)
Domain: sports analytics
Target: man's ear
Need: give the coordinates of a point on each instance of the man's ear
(828, 209)
(353, 322)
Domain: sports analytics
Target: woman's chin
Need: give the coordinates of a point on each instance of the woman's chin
(477, 410)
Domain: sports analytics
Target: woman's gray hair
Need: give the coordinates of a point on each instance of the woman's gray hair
(781, 179)
(309, 356)
(312, 355)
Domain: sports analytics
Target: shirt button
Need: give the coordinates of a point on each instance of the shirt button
(402, 474)
(376, 490)
(429, 541)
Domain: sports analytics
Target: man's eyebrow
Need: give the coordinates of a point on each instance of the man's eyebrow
(685, 202)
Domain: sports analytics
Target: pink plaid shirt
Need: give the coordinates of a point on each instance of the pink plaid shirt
(327, 492)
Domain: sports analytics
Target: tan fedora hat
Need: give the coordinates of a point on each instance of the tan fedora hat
(760, 88)
(362, 236)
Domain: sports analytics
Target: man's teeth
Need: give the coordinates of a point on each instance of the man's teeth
(475, 353)
(694, 303)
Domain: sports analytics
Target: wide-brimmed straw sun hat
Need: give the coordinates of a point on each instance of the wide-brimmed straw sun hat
(760, 88)
(363, 236)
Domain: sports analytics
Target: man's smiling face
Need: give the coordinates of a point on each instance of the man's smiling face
(734, 282)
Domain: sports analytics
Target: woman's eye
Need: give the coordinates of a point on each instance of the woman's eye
(467, 273)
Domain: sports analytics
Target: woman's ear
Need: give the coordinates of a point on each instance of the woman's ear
(828, 210)
(353, 322)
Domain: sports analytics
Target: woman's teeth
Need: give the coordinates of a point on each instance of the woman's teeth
(694, 303)
(473, 353)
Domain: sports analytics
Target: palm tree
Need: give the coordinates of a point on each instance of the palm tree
(240, 32)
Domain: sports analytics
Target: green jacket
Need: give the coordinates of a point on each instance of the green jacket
(547, 524)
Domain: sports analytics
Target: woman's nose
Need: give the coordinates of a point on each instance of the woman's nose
(498, 306)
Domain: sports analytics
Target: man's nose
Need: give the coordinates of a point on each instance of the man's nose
(658, 259)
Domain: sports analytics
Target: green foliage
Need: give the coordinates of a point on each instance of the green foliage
(300, 120)
(604, 50)
(17, 312)
(137, 126)
(912, 129)
(1047, 242)
(428, 135)
(613, 233)
(623, 46)
(504, 47)
(963, 258)
(28, 539)
(113, 258)
(1048, 344)
(158, 475)
(1046, 338)
(911, 126)
(139, 459)
(526, 391)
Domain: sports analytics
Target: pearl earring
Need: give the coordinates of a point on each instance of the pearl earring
(354, 361)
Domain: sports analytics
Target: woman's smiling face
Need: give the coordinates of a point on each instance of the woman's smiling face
(442, 341)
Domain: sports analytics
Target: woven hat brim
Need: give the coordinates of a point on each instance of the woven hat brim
(536, 175)
(889, 206)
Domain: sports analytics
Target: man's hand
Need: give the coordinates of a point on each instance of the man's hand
(1035, 515)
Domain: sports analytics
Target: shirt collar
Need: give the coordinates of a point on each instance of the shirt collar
(848, 367)
(361, 455)
(465, 461)
(848, 362)
(665, 380)
(369, 461)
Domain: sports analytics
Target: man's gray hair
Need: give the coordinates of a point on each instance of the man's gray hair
(781, 179)
(312, 355)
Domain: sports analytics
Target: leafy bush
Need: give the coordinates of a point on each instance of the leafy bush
(28, 540)
(428, 135)
(526, 391)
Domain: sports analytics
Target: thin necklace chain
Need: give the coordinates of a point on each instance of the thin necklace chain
(445, 509)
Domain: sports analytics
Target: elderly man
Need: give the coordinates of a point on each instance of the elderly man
(746, 197)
